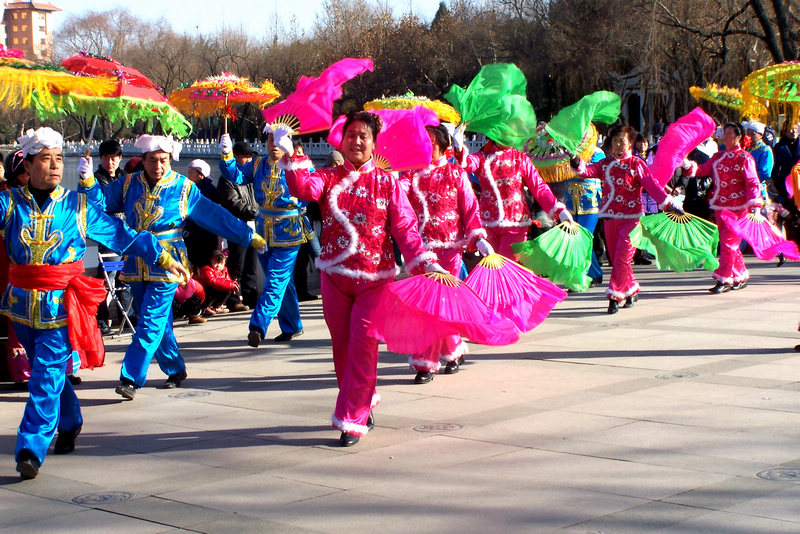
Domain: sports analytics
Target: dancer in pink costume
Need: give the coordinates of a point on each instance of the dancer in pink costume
(736, 189)
(362, 207)
(503, 172)
(623, 175)
(447, 214)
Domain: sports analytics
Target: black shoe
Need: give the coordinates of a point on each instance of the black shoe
(254, 338)
(28, 465)
(613, 306)
(596, 282)
(74, 379)
(65, 442)
(643, 261)
(740, 285)
(104, 328)
(348, 440)
(371, 421)
(630, 301)
(306, 298)
(797, 348)
(423, 377)
(781, 259)
(174, 381)
(721, 288)
(126, 390)
(288, 336)
(453, 367)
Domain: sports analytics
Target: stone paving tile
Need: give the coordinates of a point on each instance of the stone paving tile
(782, 505)
(730, 494)
(649, 517)
(165, 511)
(88, 521)
(729, 523)
(20, 509)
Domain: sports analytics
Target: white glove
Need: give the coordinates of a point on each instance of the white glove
(281, 137)
(675, 204)
(435, 268)
(686, 164)
(484, 247)
(565, 215)
(85, 167)
(458, 137)
(225, 144)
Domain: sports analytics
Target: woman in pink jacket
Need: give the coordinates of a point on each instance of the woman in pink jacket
(623, 176)
(362, 207)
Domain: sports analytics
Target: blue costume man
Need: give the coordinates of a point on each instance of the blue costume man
(160, 201)
(583, 201)
(283, 226)
(50, 302)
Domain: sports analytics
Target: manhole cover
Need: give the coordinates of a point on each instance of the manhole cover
(104, 497)
(189, 394)
(437, 427)
(676, 375)
(780, 473)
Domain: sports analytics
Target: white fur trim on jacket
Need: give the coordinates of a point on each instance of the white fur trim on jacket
(478, 233)
(558, 208)
(333, 205)
(487, 170)
(460, 350)
(620, 295)
(352, 273)
(423, 364)
(294, 165)
(422, 258)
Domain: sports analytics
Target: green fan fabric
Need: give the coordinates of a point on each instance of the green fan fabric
(563, 254)
(680, 242)
(569, 126)
(495, 104)
(118, 110)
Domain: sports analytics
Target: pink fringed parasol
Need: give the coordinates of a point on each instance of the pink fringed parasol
(418, 311)
(403, 143)
(513, 291)
(310, 107)
(760, 235)
(682, 137)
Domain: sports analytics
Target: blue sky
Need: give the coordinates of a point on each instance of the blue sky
(254, 19)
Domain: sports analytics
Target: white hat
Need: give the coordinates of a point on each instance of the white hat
(755, 126)
(34, 142)
(203, 167)
(159, 143)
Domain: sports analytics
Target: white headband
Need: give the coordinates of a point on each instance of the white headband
(202, 166)
(159, 143)
(756, 126)
(34, 142)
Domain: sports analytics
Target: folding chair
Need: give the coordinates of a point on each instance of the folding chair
(110, 263)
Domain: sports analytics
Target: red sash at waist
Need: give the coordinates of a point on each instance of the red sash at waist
(82, 296)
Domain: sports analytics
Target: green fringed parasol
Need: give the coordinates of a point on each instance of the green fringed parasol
(495, 104)
(563, 254)
(680, 242)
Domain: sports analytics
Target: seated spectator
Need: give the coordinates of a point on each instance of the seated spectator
(188, 302)
(217, 284)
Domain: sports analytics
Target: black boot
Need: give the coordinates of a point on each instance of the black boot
(348, 440)
(613, 306)
(28, 464)
(65, 442)
(630, 301)
(721, 288)
(423, 377)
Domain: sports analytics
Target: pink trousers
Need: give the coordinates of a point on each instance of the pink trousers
(731, 268)
(501, 238)
(18, 365)
(449, 348)
(349, 305)
(620, 250)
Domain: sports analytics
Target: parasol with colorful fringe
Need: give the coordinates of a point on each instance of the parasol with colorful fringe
(513, 291)
(679, 241)
(777, 83)
(729, 97)
(445, 112)
(552, 160)
(495, 104)
(762, 236)
(216, 94)
(132, 97)
(310, 107)
(563, 254)
(420, 310)
(403, 143)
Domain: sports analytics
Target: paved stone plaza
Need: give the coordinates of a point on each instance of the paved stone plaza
(679, 415)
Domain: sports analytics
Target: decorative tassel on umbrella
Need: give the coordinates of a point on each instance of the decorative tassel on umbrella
(310, 108)
(420, 310)
(403, 143)
(762, 236)
(680, 242)
(513, 291)
(563, 254)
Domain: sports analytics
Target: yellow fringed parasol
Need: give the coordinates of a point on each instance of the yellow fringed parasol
(21, 81)
(730, 97)
(552, 160)
(778, 84)
(216, 94)
(445, 112)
